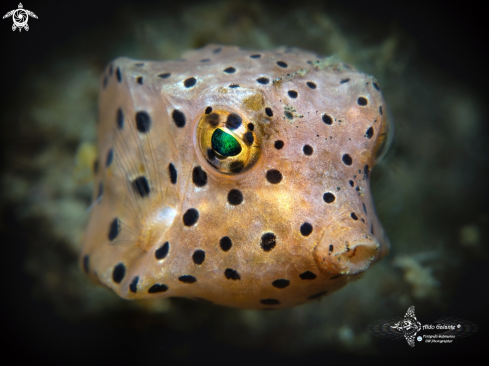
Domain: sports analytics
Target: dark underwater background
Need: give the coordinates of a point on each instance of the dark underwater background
(431, 190)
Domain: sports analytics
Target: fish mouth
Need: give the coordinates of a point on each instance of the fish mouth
(345, 251)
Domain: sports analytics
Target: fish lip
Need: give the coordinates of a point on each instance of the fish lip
(355, 250)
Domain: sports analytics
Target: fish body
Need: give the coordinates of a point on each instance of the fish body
(236, 177)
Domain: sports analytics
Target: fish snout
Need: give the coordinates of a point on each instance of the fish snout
(346, 251)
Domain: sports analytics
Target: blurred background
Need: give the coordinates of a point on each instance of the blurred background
(430, 190)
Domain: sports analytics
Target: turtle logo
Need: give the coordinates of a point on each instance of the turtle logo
(20, 17)
(409, 326)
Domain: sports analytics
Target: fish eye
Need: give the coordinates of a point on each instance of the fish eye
(228, 141)
(385, 135)
(225, 144)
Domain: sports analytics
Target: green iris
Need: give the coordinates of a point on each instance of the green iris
(225, 144)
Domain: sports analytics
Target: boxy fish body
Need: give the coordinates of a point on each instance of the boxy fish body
(237, 177)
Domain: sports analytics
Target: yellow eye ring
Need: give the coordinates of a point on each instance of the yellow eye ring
(228, 141)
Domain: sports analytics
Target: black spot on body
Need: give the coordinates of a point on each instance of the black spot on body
(190, 217)
(365, 171)
(118, 273)
(199, 177)
(263, 80)
(281, 283)
(351, 183)
(133, 287)
(347, 159)
(251, 126)
(307, 149)
(179, 118)
(139, 80)
(376, 86)
(327, 119)
(255, 56)
(190, 82)
(370, 132)
(307, 275)
(232, 274)
(119, 75)
(380, 110)
(143, 121)
(362, 101)
(364, 208)
(173, 173)
(306, 229)
(342, 81)
(230, 70)
(318, 295)
(268, 241)
(282, 64)
(274, 176)
(141, 186)
(120, 119)
(372, 229)
(311, 85)
(270, 302)
(233, 86)
(217, 50)
(187, 279)
(354, 216)
(292, 94)
(208, 110)
(279, 144)
(198, 257)
(110, 158)
(225, 243)
(233, 121)
(114, 229)
(86, 263)
(248, 137)
(162, 251)
(328, 197)
(235, 197)
(157, 288)
(165, 75)
(269, 112)
(331, 248)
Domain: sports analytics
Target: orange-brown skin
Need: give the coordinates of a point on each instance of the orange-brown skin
(338, 249)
